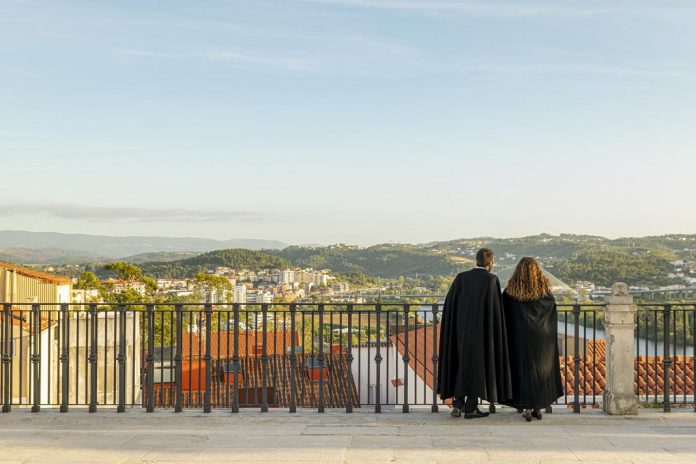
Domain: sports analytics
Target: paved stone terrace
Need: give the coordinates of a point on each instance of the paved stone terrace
(336, 437)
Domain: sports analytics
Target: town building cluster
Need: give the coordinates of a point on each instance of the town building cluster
(263, 286)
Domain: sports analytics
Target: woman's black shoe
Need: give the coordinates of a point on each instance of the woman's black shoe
(537, 413)
(456, 412)
(527, 416)
(475, 414)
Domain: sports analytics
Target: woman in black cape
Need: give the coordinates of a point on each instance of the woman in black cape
(531, 320)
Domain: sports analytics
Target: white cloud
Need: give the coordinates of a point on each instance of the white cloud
(126, 214)
(472, 8)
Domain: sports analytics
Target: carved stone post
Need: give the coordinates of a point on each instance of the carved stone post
(619, 397)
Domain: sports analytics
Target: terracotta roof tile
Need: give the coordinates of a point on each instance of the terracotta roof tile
(45, 276)
(279, 373)
(649, 371)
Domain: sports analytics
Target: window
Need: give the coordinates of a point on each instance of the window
(230, 368)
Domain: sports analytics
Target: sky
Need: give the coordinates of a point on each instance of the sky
(354, 121)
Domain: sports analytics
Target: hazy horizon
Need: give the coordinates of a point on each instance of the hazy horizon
(353, 121)
(326, 244)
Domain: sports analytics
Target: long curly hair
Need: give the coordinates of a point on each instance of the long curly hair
(528, 282)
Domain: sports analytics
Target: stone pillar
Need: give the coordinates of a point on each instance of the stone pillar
(619, 397)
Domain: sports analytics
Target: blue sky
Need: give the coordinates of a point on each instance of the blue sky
(356, 121)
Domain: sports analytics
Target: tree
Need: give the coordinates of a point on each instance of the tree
(212, 284)
(88, 281)
(125, 271)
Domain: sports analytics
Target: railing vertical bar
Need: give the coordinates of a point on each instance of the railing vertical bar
(264, 357)
(106, 358)
(584, 358)
(425, 355)
(135, 342)
(655, 376)
(218, 387)
(675, 348)
(349, 361)
(331, 364)
(594, 357)
(378, 359)
(6, 359)
(647, 353)
(190, 401)
(369, 357)
(293, 359)
(565, 354)
(256, 355)
(227, 356)
(150, 381)
(360, 346)
(201, 354)
(93, 320)
(116, 351)
(122, 359)
(693, 358)
(235, 359)
(50, 343)
(320, 357)
(397, 315)
(406, 358)
(21, 359)
(208, 367)
(667, 361)
(178, 358)
(36, 356)
(387, 338)
(77, 358)
(65, 358)
(434, 407)
(684, 374)
(576, 359)
(415, 355)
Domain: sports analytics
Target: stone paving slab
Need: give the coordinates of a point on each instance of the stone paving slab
(336, 437)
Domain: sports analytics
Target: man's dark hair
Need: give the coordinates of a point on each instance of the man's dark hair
(484, 257)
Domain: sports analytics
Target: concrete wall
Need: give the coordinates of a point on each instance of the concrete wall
(392, 368)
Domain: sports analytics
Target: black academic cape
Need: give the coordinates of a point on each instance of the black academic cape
(532, 331)
(473, 358)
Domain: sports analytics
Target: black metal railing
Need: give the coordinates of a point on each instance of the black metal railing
(665, 348)
(293, 355)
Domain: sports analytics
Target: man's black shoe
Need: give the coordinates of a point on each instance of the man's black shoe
(456, 412)
(476, 414)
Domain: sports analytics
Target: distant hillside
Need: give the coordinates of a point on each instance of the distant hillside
(380, 260)
(635, 260)
(234, 258)
(117, 247)
(569, 245)
(609, 265)
(159, 257)
(42, 256)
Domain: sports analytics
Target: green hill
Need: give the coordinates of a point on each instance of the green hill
(387, 260)
(236, 258)
(609, 265)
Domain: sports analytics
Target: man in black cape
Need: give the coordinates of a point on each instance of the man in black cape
(473, 359)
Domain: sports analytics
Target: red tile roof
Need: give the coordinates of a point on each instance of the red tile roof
(592, 367)
(279, 383)
(279, 373)
(45, 276)
(250, 343)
